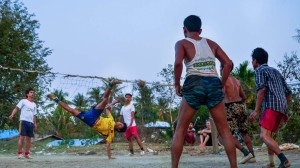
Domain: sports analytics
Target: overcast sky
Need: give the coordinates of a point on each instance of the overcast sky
(135, 39)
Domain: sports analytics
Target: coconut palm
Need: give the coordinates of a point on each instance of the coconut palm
(95, 95)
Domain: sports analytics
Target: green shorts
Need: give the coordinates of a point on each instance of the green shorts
(202, 90)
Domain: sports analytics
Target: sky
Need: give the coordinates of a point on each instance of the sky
(135, 39)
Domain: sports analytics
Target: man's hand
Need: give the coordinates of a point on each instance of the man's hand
(178, 90)
(253, 116)
(11, 117)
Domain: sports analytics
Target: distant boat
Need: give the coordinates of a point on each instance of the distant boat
(74, 142)
(8, 134)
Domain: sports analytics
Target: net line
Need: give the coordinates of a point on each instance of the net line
(79, 84)
(81, 76)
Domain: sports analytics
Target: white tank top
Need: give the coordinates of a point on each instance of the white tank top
(204, 62)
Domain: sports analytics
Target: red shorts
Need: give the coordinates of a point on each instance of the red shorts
(271, 119)
(131, 131)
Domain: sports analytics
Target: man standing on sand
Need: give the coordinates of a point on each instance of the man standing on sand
(127, 114)
(202, 86)
(27, 122)
(237, 115)
(273, 95)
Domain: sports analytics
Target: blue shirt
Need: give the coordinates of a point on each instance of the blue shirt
(276, 88)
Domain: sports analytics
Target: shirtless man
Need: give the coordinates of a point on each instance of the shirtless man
(236, 115)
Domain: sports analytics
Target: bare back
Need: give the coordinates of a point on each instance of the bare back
(233, 91)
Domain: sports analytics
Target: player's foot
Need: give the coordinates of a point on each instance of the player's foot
(252, 160)
(285, 164)
(114, 82)
(130, 154)
(117, 100)
(269, 165)
(20, 156)
(51, 96)
(28, 157)
(142, 153)
(202, 145)
(246, 158)
(111, 105)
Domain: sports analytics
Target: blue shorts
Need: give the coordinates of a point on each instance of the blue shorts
(90, 117)
(26, 128)
(202, 90)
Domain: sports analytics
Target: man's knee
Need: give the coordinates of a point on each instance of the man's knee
(263, 137)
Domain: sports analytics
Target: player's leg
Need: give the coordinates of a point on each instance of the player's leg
(20, 146)
(138, 140)
(184, 118)
(130, 144)
(206, 140)
(106, 95)
(27, 147)
(63, 104)
(219, 116)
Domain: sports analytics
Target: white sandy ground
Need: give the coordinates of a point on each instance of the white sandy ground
(190, 159)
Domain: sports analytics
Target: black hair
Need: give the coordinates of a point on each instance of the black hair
(27, 91)
(222, 66)
(260, 55)
(192, 23)
(123, 129)
(128, 94)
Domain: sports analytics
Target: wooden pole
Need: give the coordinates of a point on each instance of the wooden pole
(214, 136)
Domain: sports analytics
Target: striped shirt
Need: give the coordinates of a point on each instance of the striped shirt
(276, 88)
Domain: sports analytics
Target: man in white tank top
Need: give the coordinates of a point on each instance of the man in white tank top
(202, 86)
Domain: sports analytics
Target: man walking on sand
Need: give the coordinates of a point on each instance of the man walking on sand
(273, 95)
(237, 115)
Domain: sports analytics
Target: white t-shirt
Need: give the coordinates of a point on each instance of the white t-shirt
(126, 112)
(28, 110)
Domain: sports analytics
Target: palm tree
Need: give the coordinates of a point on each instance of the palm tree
(144, 99)
(95, 95)
(80, 102)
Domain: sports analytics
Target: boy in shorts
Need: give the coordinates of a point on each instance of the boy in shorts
(237, 115)
(105, 126)
(27, 122)
(202, 86)
(127, 115)
(273, 95)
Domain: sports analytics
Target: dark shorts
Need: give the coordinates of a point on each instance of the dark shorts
(271, 120)
(201, 90)
(237, 117)
(90, 117)
(26, 128)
